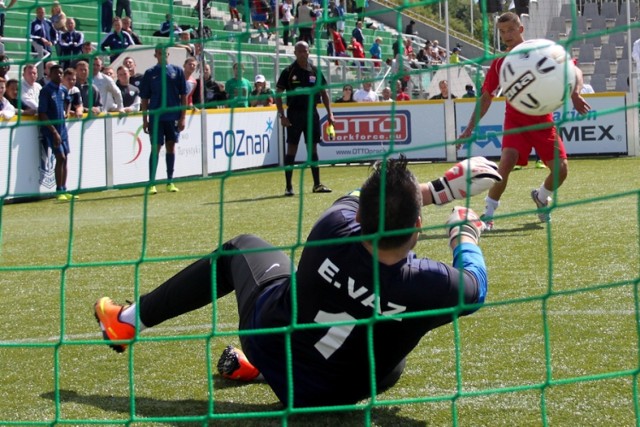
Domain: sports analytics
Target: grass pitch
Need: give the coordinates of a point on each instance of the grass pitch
(556, 343)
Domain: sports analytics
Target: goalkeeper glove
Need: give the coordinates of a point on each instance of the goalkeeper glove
(466, 222)
(476, 175)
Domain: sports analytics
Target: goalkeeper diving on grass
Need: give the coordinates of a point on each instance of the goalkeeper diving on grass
(358, 264)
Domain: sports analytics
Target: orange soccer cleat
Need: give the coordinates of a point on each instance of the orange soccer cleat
(233, 364)
(113, 329)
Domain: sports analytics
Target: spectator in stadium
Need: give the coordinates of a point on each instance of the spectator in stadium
(233, 11)
(261, 95)
(454, 58)
(302, 74)
(376, 51)
(134, 78)
(11, 93)
(286, 17)
(107, 16)
(190, 66)
(3, 11)
(408, 47)
(127, 27)
(89, 92)
(341, 14)
(443, 85)
(70, 42)
(213, 91)
(409, 29)
(167, 27)
(470, 92)
(106, 86)
(163, 128)
(130, 93)
(58, 18)
(339, 48)
(184, 41)
(260, 10)
(362, 273)
(53, 130)
(7, 110)
(45, 77)
(116, 41)
(386, 95)
(5, 66)
(238, 88)
(366, 93)
(30, 90)
(305, 20)
(360, 10)
(123, 6)
(357, 33)
(516, 146)
(347, 94)
(424, 53)
(401, 90)
(43, 36)
(357, 51)
(85, 55)
(73, 99)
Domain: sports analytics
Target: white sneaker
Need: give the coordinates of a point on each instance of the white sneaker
(542, 216)
(487, 221)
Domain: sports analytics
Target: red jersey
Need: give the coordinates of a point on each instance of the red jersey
(338, 46)
(357, 50)
(512, 117)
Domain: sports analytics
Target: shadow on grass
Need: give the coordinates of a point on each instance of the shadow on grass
(159, 408)
(527, 227)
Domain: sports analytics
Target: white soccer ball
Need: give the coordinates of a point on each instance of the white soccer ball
(537, 76)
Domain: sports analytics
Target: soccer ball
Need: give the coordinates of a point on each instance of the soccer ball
(537, 76)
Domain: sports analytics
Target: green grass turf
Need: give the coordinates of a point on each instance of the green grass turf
(556, 343)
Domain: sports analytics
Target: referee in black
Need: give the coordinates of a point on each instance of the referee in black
(295, 79)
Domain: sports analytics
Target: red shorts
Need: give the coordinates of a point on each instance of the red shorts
(546, 142)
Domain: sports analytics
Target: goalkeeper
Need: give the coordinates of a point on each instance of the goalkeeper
(335, 282)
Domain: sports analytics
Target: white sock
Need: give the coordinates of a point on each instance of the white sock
(490, 206)
(544, 194)
(129, 314)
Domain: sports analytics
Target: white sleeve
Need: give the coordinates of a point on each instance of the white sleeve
(115, 92)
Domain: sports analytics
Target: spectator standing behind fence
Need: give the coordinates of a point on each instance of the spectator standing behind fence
(470, 92)
(286, 17)
(443, 85)
(454, 58)
(106, 85)
(107, 15)
(376, 51)
(366, 93)
(89, 92)
(123, 6)
(3, 11)
(11, 93)
(70, 43)
(43, 36)
(304, 21)
(7, 110)
(213, 91)
(53, 129)
(167, 27)
(130, 93)
(190, 66)
(347, 94)
(30, 90)
(158, 91)
(5, 67)
(45, 78)
(261, 95)
(59, 21)
(116, 41)
(238, 88)
(233, 11)
(134, 78)
(73, 99)
(357, 33)
(300, 108)
(127, 26)
(401, 90)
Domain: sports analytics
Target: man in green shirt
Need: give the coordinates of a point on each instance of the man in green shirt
(238, 88)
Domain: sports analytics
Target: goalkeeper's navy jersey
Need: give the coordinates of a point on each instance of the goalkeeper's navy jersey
(336, 283)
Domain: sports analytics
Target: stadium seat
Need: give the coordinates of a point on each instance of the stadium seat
(623, 67)
(590, 10)
(609, 52)
(622, 82)
(609, 9)
(597, 23)
(566, 11)
(586, 58)
(558, 24)
(633, 5)
(602, 66)
(598, 82)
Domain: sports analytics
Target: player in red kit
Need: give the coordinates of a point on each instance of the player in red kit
(516, 147)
